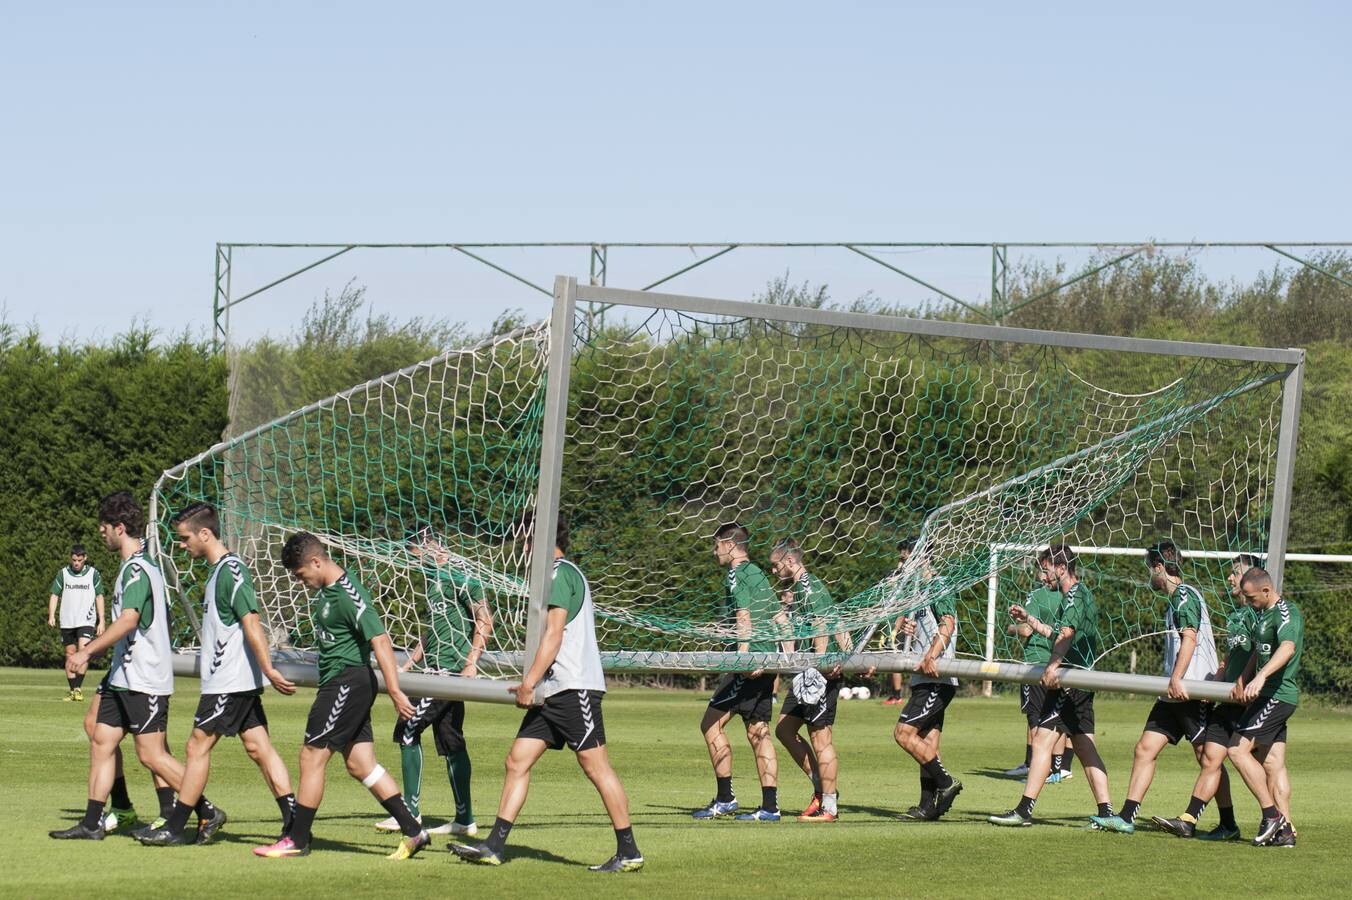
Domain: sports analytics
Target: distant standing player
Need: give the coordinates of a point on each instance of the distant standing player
(810, 602)
(566, 678)
(235, 660)
(1269, 687)
(1065, 711)
(920, 728)
(751, 605)
(1189, 652)
(348, 630)
(459, 625)
(78, 590)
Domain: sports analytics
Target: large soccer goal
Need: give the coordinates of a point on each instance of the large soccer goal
(845, 432)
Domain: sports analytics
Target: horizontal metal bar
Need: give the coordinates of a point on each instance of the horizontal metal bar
(933, 327)
(1331, 558)
(300, 668)
(1087, 245)
(964, 669)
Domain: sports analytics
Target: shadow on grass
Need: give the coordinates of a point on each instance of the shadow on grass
(525, 851)
(998, 774)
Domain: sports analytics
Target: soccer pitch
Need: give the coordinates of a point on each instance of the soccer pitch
(657, 750)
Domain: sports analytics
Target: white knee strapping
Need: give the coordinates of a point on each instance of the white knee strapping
(370, 780)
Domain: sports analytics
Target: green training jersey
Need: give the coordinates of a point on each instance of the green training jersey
(345, 621)
(1282, 622)
(450, 604)
(1078, 611)
(749, 589)
(1239, 626)
(812, 603)
(1042, 604)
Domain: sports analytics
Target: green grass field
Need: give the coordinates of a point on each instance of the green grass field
(657, 750)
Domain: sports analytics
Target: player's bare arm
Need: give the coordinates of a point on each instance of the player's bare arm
(258, 642)
(550, 642)
(383, 649)
(78, 662)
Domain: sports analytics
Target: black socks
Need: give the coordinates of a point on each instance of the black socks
(1228, 817)
(93, 814)
(497, 838)
(1195, 807)
(1025, 807)
(927, 790)
(178, 819)
(935, 770)
(1105, 810)
(624, 843)
(1129, 808)
(301, 823)
(166, 797)
(287, 806)
(724, 789)
(769, 799)
(395, 806)
(119, 797)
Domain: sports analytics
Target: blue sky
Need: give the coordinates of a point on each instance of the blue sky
(137, 135)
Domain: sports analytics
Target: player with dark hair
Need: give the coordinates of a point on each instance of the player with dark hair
(234, 662)
(813, 694)
(566, 677)
(1041, 603)
(1268, 685)
(78, 590)
(920, 727)
(1189, 652)
(1222, 718)
(1065, 711)
(135, 694)
(348, 631)
(751, 606)
(459, 625)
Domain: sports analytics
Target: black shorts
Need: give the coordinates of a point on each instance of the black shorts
(230, 714)
(1221, 721)
(1178, 721)
(1264, 722)
(750, 698)
(571, 718)
(924, 709)
(1031, 698)
(341, 714)
(134, 711)
(70, 637)
(446, 718)
(821, 714)
(1067, 710)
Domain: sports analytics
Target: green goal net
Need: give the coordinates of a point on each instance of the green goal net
(846, 433)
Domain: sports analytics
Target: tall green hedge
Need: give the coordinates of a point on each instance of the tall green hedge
(75, 424)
